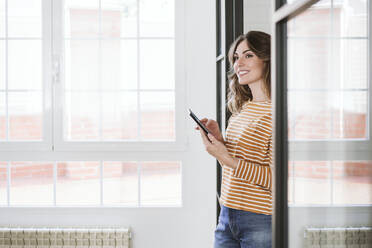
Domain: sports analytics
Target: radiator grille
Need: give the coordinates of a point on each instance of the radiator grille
(338, 237)
(18, 237)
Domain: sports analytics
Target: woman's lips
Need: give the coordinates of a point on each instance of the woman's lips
(242, 73)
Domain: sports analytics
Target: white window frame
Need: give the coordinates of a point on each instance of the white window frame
(53, 77)
(346, 150)
(342, 149)
(46, 143)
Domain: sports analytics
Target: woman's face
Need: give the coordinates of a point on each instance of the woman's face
(247, 66)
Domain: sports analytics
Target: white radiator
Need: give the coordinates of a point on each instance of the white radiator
(17, 237)
(338, 237)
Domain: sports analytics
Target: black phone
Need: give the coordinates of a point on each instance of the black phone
(196, 119)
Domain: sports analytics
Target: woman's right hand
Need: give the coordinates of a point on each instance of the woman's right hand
(213, 127)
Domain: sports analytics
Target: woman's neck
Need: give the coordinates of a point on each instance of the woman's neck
(258, 92)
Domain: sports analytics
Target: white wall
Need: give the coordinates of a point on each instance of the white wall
(257, 15)
(194, 223)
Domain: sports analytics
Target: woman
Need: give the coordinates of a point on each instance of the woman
(246, 153)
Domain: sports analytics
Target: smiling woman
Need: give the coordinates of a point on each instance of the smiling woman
(246, 152)
(253, 58)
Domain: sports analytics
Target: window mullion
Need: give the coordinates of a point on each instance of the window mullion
(139, 171)
(101, 182)
(58, 57)
(8, 182)
(6, 73)
(332, 181)
(47, 69)
(369, 57)
(100, 70)
(55, 172)
(139, 119)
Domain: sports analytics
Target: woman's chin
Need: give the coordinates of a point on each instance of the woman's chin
(244, 82)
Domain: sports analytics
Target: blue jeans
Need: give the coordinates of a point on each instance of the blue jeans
(242, 229)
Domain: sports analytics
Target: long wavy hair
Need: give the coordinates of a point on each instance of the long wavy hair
(259, 43)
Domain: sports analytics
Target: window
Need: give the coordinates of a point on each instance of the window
(22, 117)
(91, 183)
(328, 76)
(85, 81)
(331, 183)
(328, 104)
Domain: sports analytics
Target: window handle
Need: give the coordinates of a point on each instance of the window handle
(56, 69)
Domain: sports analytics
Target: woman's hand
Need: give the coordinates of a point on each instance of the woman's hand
(218, 150)
(213, 127)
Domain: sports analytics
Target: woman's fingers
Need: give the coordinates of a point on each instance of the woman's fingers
(205, 138)
(204, 121)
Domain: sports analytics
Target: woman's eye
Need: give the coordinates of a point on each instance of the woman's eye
(235, 58)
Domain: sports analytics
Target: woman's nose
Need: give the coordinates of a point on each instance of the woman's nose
(239, 61)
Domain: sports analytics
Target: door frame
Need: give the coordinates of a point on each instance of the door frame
(229, 25)
(282, 12)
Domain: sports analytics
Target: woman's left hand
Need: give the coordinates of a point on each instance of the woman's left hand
(217, 149)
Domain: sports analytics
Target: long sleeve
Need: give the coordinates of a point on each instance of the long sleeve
(258, 173)
(255, 173)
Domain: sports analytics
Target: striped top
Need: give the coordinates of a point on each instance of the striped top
(249, 138)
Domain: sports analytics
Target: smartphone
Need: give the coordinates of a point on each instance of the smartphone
(196, 119)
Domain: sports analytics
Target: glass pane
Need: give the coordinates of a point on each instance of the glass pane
(25, 115)
(24, 18)
(291, 179)
(352, 182)
(157, 18)
(78, 183)
(349, 121)
(161, 183)
(157, 65)
(119, 64)
(309, 64)
(313, 22)
(2, 65)
(82, 65)
(327, 115)
(3, 123)
(120, 183)
(25, 56)
(351, 63)
(311, 114)
(81, 18)
(350, 18)
(31, 183)
(119, 18)
(82, 111)
(119, 116)
(157, 115)
(2, 18)
(312, 182)
(3, 183)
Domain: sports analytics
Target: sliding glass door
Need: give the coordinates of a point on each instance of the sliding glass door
(323, 149)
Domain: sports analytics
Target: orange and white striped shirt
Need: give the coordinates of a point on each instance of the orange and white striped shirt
(249, 139)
